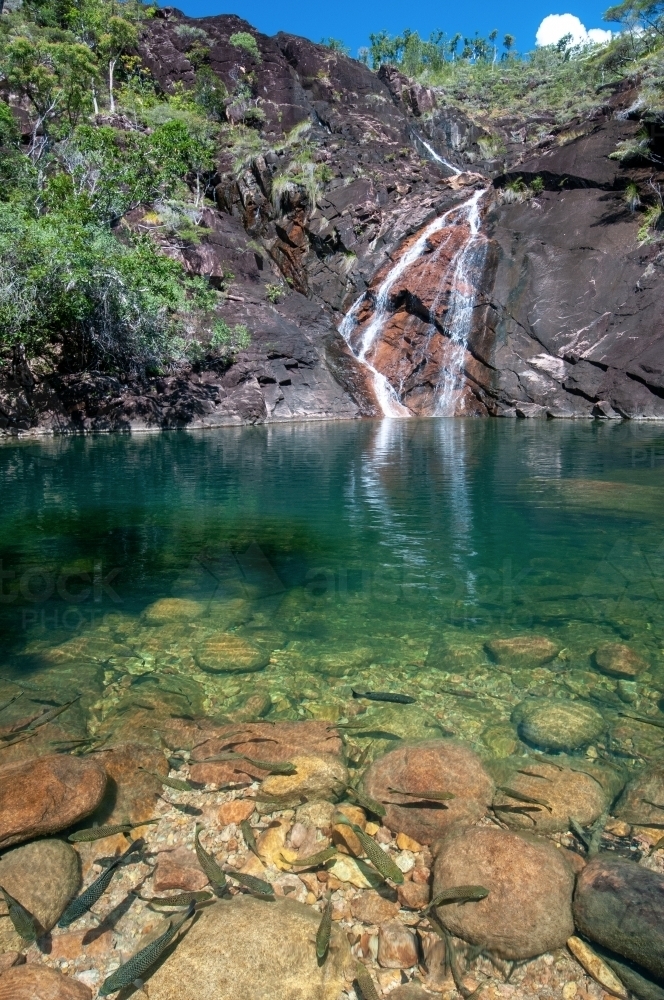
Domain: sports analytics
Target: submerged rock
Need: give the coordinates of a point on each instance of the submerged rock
(252, 949)
(523, 650)
(43, 877)
(431, 765)
(227, 653)
(643, 799)
(620, 905)
(172, 609)
(317, 776)
(178, 869)
(558, 725)
(529, 907)
(47, 794)
(397, 946)
(562, 791)
(618, 660)
(131, 791)
(35, 982)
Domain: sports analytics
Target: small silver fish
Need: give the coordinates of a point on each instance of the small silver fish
(81, 904)
(182, 899)
(214, 872)
(249, 837)
(458, 894)
(273, 766)
(400, 699)
(366, 983)
(381, 861)
(144, 959)
(324, 930)
(377, 808)
(433, 796)
(50, 715)
(512, 793)
(99, 832)
(24, 923)
(256, 886)
(176, 783)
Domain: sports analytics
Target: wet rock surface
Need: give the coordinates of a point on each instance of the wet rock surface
(643, 799)
(558, 725)
(618, 660)
(43, 877)
(431, 765)
(47, 794)
(131, 792)
(529, 907)
(523, 650)
(620, 905)
(30, 982)
(317, 776)
(251, 949)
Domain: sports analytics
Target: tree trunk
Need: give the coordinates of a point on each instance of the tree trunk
(111, 68)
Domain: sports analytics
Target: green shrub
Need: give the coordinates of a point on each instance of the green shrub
(243, 40)
(226, 341)
(650, 230)
(537, 185)
(273, 293)
(631, 197)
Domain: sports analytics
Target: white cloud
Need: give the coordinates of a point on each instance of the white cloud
(556, 26)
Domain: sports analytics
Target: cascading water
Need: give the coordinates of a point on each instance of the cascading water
(465, 264)
(437, 158)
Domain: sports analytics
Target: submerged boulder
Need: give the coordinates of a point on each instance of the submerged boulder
(529, 907)
(642, 802)
(227, 653)
(36, 982)
(558, 725)
(618, 660)
(523, 650)
(43, 877)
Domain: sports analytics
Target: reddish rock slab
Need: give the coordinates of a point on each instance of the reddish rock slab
(372, 908)
(397, 946)
(277, 741)
(47, 794)
(431, 765)
(235, 811)
(620, 905)
(131, 792)
(618, 660)
(529, 907)
(413, 895)
(178, 869)
(523, 650)
(36, 982)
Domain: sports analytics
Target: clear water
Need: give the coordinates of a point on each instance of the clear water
(377, 555)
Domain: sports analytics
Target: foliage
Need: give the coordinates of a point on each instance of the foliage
(226, 341)
(273, 293)
(632, 151)
(632, 197)
(650, 230)
(243, 40)
(336, 45)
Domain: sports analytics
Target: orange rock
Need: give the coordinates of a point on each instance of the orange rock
(93, 943)
(235, 811)
(36, 982)
(406, 843)
(178, 869)
(397, 947)
(132, 793)
(413, 895)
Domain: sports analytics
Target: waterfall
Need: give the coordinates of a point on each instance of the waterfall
(437, 158)
(459, 318)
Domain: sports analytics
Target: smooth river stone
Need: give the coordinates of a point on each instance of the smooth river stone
(172, 609)
(558, 725)
(317, 776)
(523, 650)
(439, 765)
(131, 792)
(226, 653)
(47, 794)
(43, 877)
(620, 905)
(567, 792)
(529, 907)
(36, 982)
(618, 660)
(251, 949)
(635, 805)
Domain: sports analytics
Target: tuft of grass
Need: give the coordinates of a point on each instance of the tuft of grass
(650, 228)
(243, 40)
(631, 197)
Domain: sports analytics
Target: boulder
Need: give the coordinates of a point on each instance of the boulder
(131, 792)
(523, 650)
(529, 907)
(178, 869)
(43, 877)
(430, 765)
(227, 653)
(563, 792)
(618, 660)
(47, 794)
(642, 802)
(620, 905)
(558, 725)
(172, 609)
(36, 982)
(252, 949)
(317, 776)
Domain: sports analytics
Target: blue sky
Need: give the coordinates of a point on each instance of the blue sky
(353, 20)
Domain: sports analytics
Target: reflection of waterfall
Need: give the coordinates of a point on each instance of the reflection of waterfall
(465, 266)
(452, 444)
(468, 265)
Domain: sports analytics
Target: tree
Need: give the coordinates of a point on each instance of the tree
(508, 42)
(638, 12)
(121, 36)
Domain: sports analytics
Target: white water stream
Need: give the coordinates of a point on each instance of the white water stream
(437, 158)
(465, 263)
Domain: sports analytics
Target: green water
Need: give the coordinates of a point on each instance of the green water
(368, 555)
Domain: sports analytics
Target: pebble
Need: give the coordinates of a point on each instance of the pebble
(235, 811)
(373, 908)
(227, 653)
(397, 946)
(413, 895)
(178, 869)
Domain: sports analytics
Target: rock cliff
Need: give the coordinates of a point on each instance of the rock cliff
(564, 313)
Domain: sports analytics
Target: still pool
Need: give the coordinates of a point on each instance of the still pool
(275, 569)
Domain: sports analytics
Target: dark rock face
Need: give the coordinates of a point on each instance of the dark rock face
(620, 905)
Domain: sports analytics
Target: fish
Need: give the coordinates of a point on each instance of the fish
(24, 923)
(50, 715)
(11, 701)
(177, 783)
(434, 796)
(314, 860)
(642, 718)
(366, 983)
(249, 838)
(81, 904)
(533, 774)
(361, 760)
(99, 832)
(381, 861)
(458, 894)
(256, 886)
(655, 805)
(516, 809)
(374, 734)
(144, 959)
(366, 801)
(214, 872)
(400, 699)
(520, 797)
(324, 929)
(182, 899)
(273, 766)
